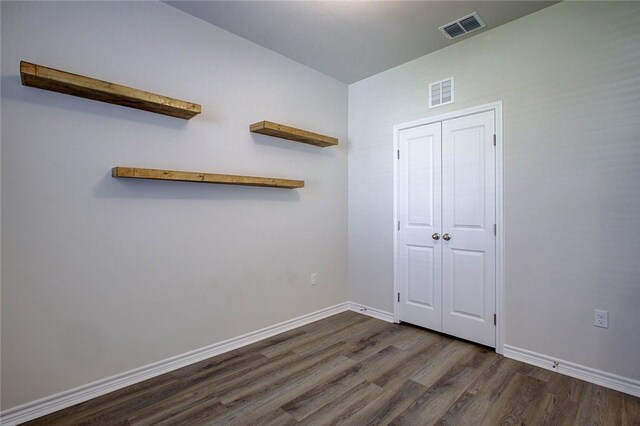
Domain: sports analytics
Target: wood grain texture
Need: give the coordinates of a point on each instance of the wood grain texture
(181, 176)
(291, 133)
(355, 370)
(86, 87)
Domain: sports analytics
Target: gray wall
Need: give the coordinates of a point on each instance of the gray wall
(569, 81)
(99, 275)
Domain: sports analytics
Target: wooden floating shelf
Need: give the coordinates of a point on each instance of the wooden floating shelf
(85, 87)
(293, 134)
(157, 174)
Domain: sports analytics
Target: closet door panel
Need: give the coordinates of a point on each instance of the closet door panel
(419, 213)
(468, 218)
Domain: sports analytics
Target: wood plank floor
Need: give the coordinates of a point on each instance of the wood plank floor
(355, 370)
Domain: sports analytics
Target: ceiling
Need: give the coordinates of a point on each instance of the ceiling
(352, 40)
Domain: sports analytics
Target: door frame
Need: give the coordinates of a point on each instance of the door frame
(496, 107)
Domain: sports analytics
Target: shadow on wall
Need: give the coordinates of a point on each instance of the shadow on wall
(110, 187)
(12, 88)
(278, 143)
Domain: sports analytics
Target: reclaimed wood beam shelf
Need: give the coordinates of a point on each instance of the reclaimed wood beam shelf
(291, 133)
(158, 174)
(85, 87)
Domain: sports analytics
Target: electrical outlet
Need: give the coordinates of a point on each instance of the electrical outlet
(314, 279)
(601, 318)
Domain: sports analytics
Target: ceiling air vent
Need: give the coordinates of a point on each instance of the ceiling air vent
(441, 93)
(462, 26)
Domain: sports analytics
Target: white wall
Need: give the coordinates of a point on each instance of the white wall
(569, 81)
(101, 275)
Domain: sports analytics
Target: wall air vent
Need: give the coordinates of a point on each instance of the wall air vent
(462, 26)
(441, 93)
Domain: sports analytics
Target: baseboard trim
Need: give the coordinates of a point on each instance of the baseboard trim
(372, 312)
(588, 374)
(50, 404)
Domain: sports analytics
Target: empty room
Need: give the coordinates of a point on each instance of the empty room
(320, 212)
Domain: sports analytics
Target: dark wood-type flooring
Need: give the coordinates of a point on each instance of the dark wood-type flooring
(355, 370)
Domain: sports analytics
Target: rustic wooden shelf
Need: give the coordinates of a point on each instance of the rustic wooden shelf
(293, 134)
(85, 87)
(157, 174)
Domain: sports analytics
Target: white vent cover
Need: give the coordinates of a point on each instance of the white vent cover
(441, 93)
(462, 26)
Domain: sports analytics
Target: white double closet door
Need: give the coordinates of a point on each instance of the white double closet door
(446, 238)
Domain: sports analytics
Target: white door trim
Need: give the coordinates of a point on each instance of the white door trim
(497, 108)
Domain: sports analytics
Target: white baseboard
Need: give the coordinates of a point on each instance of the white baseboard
(588, 374)
(50, 404)
(372, 312)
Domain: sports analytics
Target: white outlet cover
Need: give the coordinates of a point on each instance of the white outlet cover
(601, 318)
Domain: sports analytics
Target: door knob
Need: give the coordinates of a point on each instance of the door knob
(436, 236)
(446, 237)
